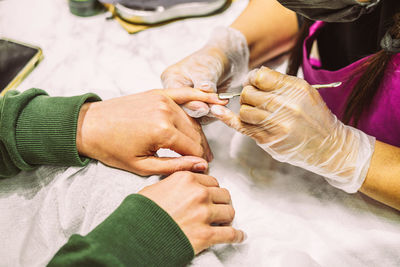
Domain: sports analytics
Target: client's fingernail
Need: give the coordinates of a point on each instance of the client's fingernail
(199, 167)
(217, 110)
(216, 98)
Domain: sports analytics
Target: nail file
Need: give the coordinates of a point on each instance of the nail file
(316, 86)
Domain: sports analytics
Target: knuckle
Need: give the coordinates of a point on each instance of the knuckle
(203, 214)
(187, 176)
(205, 235)
(202, 194)
(164, 129)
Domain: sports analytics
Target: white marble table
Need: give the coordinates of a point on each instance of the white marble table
(292, 218)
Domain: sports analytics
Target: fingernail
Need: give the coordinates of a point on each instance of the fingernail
(217, 110)
(222, 101)
(199, 167)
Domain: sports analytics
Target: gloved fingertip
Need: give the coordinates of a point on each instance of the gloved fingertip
(196, 113)
(251, 77)
(206, 86)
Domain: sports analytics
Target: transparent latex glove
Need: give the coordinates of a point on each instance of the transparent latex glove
(210, 69)
(289, 120)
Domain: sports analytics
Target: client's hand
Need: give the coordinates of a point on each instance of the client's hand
(126, 132)
(198, 205)
(289, 119)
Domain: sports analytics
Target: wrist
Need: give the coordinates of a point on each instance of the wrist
(81, 145)
(352, 159)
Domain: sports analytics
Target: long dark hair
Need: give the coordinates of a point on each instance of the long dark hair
(371, 73)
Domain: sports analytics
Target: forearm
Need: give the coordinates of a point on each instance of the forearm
(137, 233)
(383, 179)
(269, 29)
(36, 129)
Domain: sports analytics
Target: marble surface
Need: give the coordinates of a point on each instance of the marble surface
(291, 217)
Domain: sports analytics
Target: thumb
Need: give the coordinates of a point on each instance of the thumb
(164, 165)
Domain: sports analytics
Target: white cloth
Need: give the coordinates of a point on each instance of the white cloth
(292, 218)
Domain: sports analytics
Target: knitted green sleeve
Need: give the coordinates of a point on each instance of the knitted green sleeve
(36, 129)
(137, 233)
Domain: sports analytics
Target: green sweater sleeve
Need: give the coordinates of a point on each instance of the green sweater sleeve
(36, 129)
(137, 233)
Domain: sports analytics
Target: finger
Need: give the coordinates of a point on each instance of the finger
(222, 213)
(228, 117)
(252, 115)
(164, 166)
(263, 100)
(191, 128)
(206, 180)
(184, 95)
(183, 144)
(196, 109)
(232, 120)
(170, 79)
(220, 195)
(226, 234)
(268, 80)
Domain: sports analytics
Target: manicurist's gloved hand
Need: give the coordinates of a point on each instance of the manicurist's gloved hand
(288, 119)
(126, 132)
(211, 68)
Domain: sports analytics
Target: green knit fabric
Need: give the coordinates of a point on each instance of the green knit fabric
(36, 129)
(46, 130)
(138, 233)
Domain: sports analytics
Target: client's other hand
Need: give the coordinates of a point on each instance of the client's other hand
(199, 206)
(126, 132)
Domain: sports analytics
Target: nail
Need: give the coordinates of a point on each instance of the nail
(217, 110)
(216, 98)
(199, 167)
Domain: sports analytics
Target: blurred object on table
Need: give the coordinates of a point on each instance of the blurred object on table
(85, 8)
(139, 15)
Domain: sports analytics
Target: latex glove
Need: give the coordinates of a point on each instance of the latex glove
(289, 120)
(210, 69)
(199, 206)
(126, 132)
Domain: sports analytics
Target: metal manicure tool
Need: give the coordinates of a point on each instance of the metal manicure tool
(316, 86)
